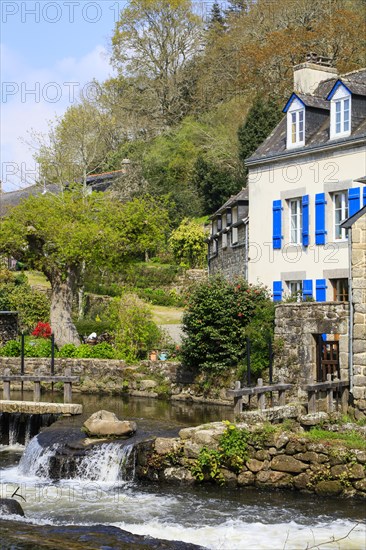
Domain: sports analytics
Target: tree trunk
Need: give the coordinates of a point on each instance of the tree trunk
(61, 303)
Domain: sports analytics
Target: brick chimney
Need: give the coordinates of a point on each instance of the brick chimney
(308, 75)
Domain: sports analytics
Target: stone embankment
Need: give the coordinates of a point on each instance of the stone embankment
(166, 379)
(277, 460)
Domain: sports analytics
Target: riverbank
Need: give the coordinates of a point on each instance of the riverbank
(157, 379)
(262, 456)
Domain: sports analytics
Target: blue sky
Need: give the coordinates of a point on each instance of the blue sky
(49, 51)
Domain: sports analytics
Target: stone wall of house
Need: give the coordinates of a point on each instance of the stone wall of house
(359, 304)
(230, 261)
(295, 343)
(8, 326)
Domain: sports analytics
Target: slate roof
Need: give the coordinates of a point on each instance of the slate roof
(242, 196)
(352, 219)
(275, 144)
(98, 182)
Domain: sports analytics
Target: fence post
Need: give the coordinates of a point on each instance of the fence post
(329, 395)
(261, 396)
(238, 401)
(282, 395)
(270, 352)
(311, 402)
(22, 339)
(6, 391)
(344, 399)
(68, 387)
(37, 388)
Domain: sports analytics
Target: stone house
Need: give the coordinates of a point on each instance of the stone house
(228, 240)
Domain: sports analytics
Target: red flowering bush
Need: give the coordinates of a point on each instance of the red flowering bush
(42, 330)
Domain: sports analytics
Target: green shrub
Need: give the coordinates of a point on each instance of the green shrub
(160, 297)
(17, 295)
(10, 349)
(68, 350)
(215, 321)
(87, 326)
(188, 243)
(135, 331)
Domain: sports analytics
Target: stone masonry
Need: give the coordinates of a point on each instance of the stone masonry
(295, 342)
(359, 305)
(8, 326)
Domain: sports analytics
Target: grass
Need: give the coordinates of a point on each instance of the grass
(165, 315)
(349, 439)
(35, 278)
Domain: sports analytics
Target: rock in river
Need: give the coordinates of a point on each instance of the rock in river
(106, 424)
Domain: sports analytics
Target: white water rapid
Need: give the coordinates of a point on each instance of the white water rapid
(102, 491)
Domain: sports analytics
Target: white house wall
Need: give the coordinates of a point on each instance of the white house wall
(322, 172)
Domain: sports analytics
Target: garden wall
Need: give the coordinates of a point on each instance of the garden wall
(147, 379)
(277, 460)
(8, 326)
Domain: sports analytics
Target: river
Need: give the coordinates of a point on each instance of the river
(103, 493)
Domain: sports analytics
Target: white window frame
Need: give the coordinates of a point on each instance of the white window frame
(340, 121)
(224, 240)
(295, 289)
(340, 234)
(295, 233)
(295, 125)
(234, 230)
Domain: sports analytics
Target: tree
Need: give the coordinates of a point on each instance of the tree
(261, 120)
(154, 40)
(214, 184)
(61, 235)
(217, 21)
(214, 323)
(188, 243)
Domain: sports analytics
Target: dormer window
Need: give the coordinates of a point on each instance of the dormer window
(340, 111)
(295, 110)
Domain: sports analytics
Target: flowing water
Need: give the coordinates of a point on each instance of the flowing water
(102, 491)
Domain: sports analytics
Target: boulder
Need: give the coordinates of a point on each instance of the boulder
(328, 488)
(276, 480)
(284, 463)
(10, 507)
(105, 423)
(178, 475)
(147, 384)
(246, 478)
(165, 445)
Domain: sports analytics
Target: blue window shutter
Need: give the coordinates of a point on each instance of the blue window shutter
(277, 291)
(320, 231)
(353, 200)
(305, 220)
(277, 224)
(364, 196)
(307, 289)
(321, 290)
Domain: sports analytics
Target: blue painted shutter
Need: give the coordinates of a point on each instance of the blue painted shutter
(320, 231)
(321, 290)
(353, 200)
(364, 196)
(307, 289)
(277, 224)
(277, 291)
(305, 220)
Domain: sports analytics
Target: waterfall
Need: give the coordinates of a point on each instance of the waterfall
(105, 462)
(19, 428)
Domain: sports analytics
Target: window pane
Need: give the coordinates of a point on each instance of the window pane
(338, 107)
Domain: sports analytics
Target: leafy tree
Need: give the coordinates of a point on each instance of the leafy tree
(134, 328)
(154, 40)
(60, 235)
(214, 184)
(214, 323)
(261, 120)
(188, 243)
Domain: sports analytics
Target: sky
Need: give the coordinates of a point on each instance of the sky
(50, 51)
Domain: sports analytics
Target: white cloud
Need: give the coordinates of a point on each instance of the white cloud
(31, 97)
